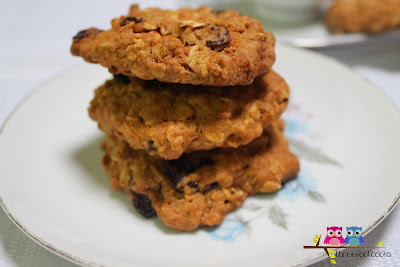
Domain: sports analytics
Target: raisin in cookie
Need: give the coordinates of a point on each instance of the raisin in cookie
(170, 119)
(199, 188)
(370, 16)
(191, 46)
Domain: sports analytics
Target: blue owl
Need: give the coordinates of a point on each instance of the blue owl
(354, 236)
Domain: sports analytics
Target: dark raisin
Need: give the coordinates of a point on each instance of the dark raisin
(143, 205)
(141, 202)
(219, 44)
(129, 19)
(85, 33)
(178, 168)
(122, 78)
(223, 38)
(150, 147)
(80, 35)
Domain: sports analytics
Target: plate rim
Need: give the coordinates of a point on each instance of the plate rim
(44, 244)
(83, 262)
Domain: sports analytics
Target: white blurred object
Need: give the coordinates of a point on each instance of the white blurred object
(288, 11)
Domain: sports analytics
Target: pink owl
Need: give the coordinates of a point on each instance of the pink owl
(334, 236)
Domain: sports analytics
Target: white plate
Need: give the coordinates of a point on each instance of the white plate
(344, 130)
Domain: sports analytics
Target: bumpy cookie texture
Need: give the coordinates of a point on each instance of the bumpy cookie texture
(167, 120)
(370, 16)
(191, 46)
(199, 188)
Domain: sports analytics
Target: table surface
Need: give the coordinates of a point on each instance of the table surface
(35, 40)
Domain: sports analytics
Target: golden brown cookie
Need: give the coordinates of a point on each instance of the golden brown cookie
(200, 188)
(191, 46)
(170, 119)
(370, 16)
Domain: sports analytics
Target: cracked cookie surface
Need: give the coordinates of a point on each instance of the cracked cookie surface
(191, 46)
(370, 16)
(199, 188)
(168, 120)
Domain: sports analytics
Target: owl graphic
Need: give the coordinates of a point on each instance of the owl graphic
(334, 236)
(354, 236)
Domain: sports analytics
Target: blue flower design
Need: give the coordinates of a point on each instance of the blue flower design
(293, 127)
(229, 230)
(298, 187)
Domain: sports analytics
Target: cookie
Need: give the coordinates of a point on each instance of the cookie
(199, 188)
(168, 120)
(369, 16)
(190, 46)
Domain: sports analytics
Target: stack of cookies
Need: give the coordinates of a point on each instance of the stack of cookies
(192, 114)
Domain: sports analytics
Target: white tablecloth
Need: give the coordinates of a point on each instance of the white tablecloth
(35, 38)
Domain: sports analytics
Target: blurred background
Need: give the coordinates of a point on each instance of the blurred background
(35, 40)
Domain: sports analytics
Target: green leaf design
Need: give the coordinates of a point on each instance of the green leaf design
(253, 207)
(330, 251)
(239, 217)
(333, 261)
(277, 216)
(303, 150)
(315, 196)
(380, 244)
(315, 240)
(317, 237)
(332, 256)
(248, 231)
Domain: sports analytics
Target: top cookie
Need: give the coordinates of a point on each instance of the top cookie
(370, 16)
(190, 46)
